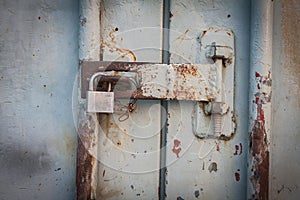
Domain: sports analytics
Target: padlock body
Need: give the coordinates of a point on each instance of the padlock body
(100, 102)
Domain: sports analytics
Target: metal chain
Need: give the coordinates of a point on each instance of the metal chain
(130, 107)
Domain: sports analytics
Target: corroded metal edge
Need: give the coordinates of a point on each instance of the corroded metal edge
(85, 162)
(84, 165)
(260, 99)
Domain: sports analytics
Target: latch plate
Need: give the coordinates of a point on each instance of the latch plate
(217, 45)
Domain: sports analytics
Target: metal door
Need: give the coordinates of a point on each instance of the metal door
(154, 153)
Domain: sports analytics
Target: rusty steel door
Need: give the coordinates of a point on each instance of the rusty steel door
(162, 141)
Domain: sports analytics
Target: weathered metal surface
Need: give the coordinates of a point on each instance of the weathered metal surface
(217, 44)
(285, 126)
(208, 169)
(121, 148)
(85, 161)
(260, 98)
(89, 49)
(38, 65)
(127, 32)
(173, 82)
(89, 27)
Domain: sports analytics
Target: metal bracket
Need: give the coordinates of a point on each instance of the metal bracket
(220, 108)
(216, 118)
(218, 44)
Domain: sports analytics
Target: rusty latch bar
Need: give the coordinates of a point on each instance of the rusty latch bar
(157, 81)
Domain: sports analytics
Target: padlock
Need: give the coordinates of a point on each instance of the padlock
(99, 101)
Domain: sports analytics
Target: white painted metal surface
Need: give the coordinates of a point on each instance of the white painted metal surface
(260, 98)
(38, 64)
(285, 110)
(127, 152)
(207, 169)
(198, 161)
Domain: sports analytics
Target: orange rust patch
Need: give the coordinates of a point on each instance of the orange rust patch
(185, 70)
(260, 153)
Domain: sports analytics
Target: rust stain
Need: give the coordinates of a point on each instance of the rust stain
(176, 149)
(217, 146)
(237, 176)
(203, 34)
(177, 42)
(259, 144)
(260, 178)
(113, 46)
(238, 149)
(183, 36)
(185, 70)
(84, 164)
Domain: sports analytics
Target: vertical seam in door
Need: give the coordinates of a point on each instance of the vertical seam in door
(164, 103)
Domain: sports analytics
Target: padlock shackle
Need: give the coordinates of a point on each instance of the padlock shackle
(91, 82)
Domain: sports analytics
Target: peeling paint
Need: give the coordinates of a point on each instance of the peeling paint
(176, 149)
(258, 141)
(84, 164)
(238, 149)
(237, 176)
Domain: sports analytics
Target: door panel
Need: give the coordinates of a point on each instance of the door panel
(207, 168)
(130, 30)
(128, 151)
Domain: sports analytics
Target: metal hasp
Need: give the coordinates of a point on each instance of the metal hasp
(217, 119)
(210, 85)
(155, 81)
